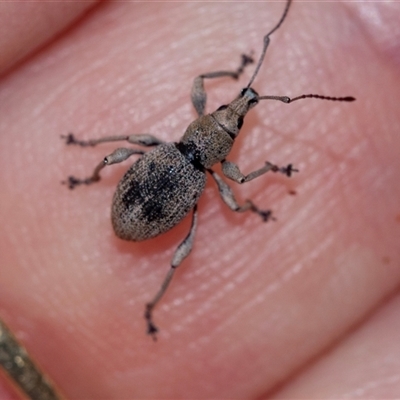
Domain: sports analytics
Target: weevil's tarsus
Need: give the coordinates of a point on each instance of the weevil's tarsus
(246, 60)
(288, 170)
(180, 254)
(72, 182)
(266, 41)
(266, 215)
(70, 139)
(199, 95)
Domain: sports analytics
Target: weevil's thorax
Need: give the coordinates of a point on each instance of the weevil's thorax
(205, 142)
(209, 139)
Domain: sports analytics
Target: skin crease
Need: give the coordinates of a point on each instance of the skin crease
(23, 29)
(256, 308)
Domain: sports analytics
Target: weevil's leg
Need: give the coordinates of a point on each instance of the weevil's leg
(199, 95)
(229, 199)
(180, 254)
(232, 171)
(144, 139)
(117, 156)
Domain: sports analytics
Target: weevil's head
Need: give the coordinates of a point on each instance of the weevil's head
(230, 116)
(248, 98)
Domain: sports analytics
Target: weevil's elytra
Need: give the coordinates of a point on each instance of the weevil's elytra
(164, 184)
(142, 206)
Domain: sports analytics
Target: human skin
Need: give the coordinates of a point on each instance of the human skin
(305, 306)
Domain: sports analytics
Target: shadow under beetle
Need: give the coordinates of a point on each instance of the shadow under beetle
(165, 184)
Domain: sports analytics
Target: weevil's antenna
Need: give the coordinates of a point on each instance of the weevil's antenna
(266, 42)
(286, 99)
(318, 96)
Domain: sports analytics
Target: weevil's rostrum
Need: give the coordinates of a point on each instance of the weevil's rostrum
(164, 184)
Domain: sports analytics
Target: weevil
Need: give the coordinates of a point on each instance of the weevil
(164, 184)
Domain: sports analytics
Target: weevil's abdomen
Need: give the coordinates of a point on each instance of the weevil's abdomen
(155, 194)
